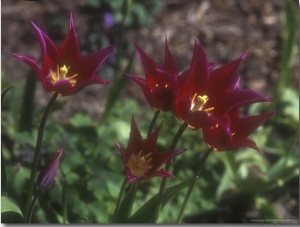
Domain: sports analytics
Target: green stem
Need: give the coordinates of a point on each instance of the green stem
(132, 194)
(153, 122)
(32, 204)
(120, 197)
(125, 207)
(188, 194)
(178, 135)
(172, 147)
(64, 196)
(163, 183)
(37, 153)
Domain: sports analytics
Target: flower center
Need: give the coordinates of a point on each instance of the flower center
(61, 74)
(198, 102)
(139, 164)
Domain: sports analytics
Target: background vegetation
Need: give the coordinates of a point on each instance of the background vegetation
(240, 186)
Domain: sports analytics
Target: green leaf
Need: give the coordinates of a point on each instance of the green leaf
(26, 115)
(289, 45)
(283, 168)
(145, 214)
(291, 110)
(4, 93)
(3, 176)
(9, 205)
(126, 205)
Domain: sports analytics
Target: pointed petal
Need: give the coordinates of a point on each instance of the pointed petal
(146, 90)
(135, 143)
(240, 97)
(152, 76)
(245, 126)
(160, 173)
(169, 63)
(124, 155)
(92, 62)
(161, 158)
(70, 47)
(198, 73)
(245, 143)
(146, 59)
(49, 50)
(149, 144)
(140, 81)
(31, 62)
(226, 76)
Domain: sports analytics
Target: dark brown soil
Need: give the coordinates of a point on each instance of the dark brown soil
(225, 28)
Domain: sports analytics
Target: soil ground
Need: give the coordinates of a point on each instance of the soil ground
(225, 29)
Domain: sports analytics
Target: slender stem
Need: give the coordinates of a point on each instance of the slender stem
(32, 204)
(127, 203)
(162, 188)
(121, 195)
(155, 116)
(37, 153)
(64, 197)
(132, 194)
(172, 147)
(178, 135)
(188, 194)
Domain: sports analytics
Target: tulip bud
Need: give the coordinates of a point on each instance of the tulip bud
(47, 175)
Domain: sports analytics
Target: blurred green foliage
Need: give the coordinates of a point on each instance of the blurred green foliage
(137, 13)
(236, 186)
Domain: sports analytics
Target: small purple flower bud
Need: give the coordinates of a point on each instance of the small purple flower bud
(47, 175)
(108, 20)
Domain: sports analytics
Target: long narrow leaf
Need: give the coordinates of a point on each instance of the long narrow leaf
(28, 103)
(3, 94)
(3, 169)
(126, 205)
(3, 176)
(289, 45)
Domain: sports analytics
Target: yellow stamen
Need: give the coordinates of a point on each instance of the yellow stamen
(198, 102)
(164, 86)
(139, 165)
(61, 74)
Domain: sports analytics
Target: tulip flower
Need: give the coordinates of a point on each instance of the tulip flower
(232, 131)
(160, 83)
(64, 70)
(141, 158)
(47, 175)
(205, 93)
